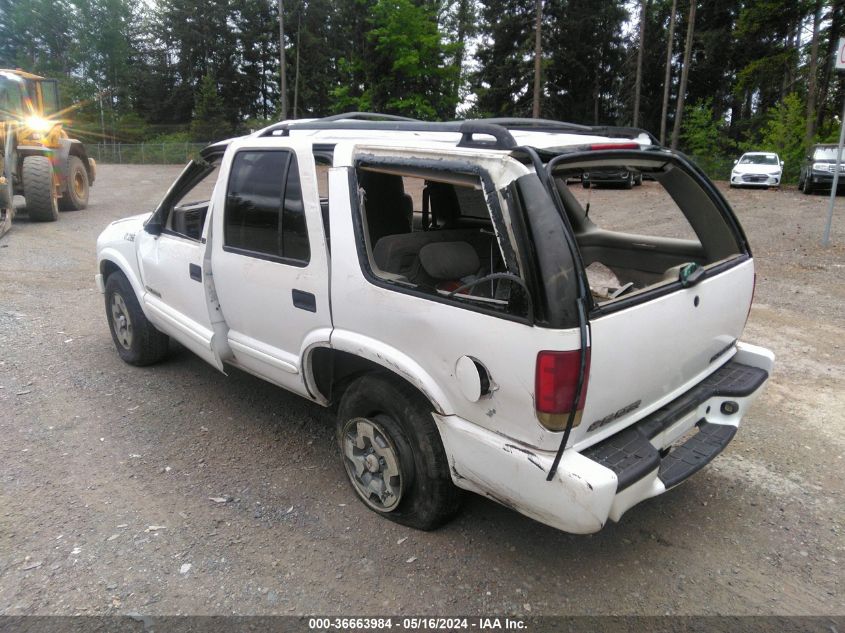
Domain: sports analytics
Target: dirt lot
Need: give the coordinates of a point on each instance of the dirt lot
(106, 470)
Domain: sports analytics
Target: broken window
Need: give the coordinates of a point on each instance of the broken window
(433, 232)
(641, 224)
(186, 217)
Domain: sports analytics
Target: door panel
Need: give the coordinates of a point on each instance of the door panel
(271, 302)
(175, 299)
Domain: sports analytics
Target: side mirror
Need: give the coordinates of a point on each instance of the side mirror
(736, 160)
(781, 164)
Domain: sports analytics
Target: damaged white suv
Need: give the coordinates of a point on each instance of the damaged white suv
(477, 323)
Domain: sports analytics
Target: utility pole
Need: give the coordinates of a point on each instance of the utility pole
(682, 89)
(282, 60)
(538, 52)
(667, 80)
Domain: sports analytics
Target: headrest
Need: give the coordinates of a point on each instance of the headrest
(449, 260)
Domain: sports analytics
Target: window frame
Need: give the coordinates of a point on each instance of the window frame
(512, 250)
(291, 162)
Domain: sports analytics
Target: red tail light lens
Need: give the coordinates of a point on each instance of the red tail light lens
(555, 382)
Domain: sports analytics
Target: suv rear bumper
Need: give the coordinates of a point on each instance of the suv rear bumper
(608, 478)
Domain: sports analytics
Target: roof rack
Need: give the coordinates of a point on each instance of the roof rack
(470, 129)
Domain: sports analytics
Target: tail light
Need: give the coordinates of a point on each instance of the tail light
(555, 382)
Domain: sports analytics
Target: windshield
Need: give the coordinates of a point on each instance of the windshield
(759, 159)
(825, 153)
(11, 98)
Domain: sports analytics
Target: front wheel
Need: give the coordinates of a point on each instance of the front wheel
(41, 202)
(137, 341)
(392, 452)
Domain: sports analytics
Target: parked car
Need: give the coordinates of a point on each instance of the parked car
(818, 169)
(434, 283)
(624, 177)
(757, 169)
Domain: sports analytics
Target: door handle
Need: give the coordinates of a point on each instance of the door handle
(304, 300)
(195, 271)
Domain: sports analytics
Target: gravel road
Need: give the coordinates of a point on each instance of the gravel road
(178, 490)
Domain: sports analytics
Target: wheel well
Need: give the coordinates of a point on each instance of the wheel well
(108, 267)
(333, 371)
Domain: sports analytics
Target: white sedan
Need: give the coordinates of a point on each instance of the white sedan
(757, 169)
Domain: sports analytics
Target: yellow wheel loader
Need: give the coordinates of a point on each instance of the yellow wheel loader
(37, 158)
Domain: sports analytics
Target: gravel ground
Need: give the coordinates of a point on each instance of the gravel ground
(106, 470)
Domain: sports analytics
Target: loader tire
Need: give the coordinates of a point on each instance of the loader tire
(41, 202)
(75, 195)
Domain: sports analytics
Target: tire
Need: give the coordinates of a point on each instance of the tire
(807, 188)
(638, 181)
(75, 195)
(41, 203)
(585, 184)
(136, 339)
(630, 183)
(389, 443)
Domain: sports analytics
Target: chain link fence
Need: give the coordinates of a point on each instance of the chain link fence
(145, 153)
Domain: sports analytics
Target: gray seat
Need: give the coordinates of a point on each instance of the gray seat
(449, 261)
(399, 253)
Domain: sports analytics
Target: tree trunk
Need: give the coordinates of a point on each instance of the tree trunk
(813, 71)
(638, 83)
(538, 52)
(296, 73)
(282, 69)
(682, 89)
(667, 80)
(833, 41)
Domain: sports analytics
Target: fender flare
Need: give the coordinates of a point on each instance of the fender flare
(115, 257)
(392, 359)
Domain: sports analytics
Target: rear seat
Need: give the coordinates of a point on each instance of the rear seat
(398, 254)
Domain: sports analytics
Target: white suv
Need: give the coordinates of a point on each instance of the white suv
(477, 323)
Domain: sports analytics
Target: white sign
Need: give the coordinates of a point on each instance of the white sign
(840, 54)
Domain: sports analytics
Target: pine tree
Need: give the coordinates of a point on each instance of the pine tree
(209, 122)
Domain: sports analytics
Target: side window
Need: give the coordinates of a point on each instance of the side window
(265, 215)
(186, 217)
(418, 236)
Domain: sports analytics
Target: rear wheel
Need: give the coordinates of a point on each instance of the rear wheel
(392, 452)
(630, 183)
(41, 202)
(807, 188)
(75, 195)
(638, 181)
(137, 341)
